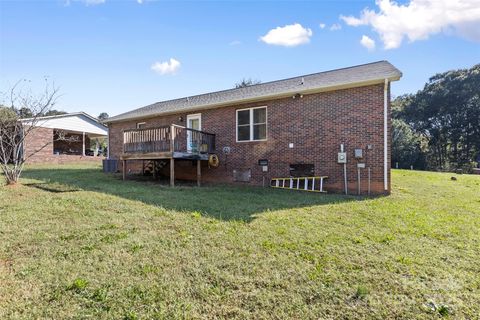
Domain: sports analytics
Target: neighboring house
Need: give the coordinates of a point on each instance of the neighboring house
(63, 138)
(296, 124)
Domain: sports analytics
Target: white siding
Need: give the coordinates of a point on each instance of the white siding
(77, 122)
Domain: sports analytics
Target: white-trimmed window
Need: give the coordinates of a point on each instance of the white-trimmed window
(141, 125)
(252, 124)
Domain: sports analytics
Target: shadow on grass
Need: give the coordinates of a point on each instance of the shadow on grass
(51, 187)
(223, 202)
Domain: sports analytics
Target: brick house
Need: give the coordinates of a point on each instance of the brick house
(292, 127)
(63, 138)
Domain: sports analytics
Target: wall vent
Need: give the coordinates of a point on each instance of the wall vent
(240, 175)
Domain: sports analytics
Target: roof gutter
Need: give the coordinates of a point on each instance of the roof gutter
(256, 99)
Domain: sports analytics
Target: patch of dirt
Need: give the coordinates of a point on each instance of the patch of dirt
(6, 265)
(12, 185)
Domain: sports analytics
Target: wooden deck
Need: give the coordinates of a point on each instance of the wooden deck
(164, 155)
(167, 142)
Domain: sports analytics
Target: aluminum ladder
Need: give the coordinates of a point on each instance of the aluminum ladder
(311, 184)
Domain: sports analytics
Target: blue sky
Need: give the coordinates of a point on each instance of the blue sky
(102, 55)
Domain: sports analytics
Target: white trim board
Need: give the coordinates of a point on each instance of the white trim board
(77, 122)
(251, 124)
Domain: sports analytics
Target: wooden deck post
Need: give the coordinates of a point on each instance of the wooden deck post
(172, 172)
(124, 169)
(199, 172)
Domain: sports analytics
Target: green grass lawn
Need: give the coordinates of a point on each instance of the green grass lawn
(76, 243)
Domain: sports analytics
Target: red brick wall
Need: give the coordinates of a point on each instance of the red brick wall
(316, 124)
(38, 147)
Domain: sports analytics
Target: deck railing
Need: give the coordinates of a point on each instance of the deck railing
(172, 138)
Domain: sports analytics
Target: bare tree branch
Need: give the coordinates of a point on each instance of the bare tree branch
(14, 132)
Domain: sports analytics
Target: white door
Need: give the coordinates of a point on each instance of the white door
(194, 121)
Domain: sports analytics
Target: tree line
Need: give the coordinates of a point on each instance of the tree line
(438, 128)
(25, 113)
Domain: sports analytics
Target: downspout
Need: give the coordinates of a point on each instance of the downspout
(108, 143)
(385, 140)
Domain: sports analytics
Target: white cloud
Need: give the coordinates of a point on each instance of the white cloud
(289, 36)
(322, 25)
(166, 67)
(139, 1)
(367, 42)
(419, 19)
(235, 43)
(352, 21)
(335, 27)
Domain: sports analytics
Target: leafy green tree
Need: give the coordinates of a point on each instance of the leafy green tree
(406, 146)
(247, 82)
(7, 115)
(24, 113)
(54, 112)
(103, 116)
(400, 103)
(447, 114)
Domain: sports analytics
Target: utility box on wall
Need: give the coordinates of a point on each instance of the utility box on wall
(358, 154)
(264, 164)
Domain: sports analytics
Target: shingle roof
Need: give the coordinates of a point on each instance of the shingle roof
(364, 74)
